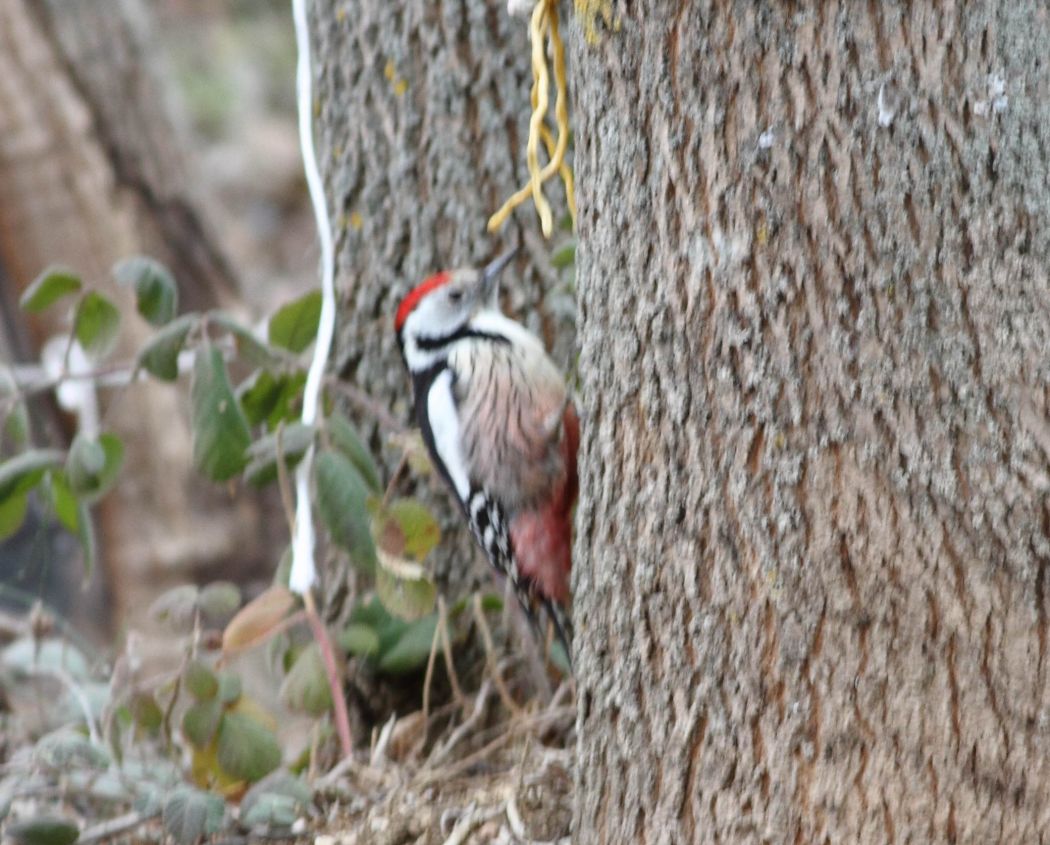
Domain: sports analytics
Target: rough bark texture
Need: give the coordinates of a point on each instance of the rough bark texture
(812, 545)
(90, 171)
(424, 115)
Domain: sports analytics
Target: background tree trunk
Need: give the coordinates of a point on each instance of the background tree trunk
(424, 114)
(91, 171)
(814, 531)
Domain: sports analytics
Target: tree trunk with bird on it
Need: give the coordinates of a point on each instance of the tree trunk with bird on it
(423, 115)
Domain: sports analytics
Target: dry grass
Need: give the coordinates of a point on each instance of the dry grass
(477, 774)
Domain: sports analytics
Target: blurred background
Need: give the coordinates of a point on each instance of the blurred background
(167, 129)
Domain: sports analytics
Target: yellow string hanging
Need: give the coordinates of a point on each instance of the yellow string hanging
(544, 22)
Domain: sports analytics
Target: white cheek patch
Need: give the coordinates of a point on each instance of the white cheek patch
(444, 424)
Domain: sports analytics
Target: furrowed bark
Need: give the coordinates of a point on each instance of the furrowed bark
(813, 533)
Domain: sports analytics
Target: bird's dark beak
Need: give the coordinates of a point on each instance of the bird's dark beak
(490, 275)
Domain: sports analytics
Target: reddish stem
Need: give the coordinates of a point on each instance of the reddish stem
(335, 681)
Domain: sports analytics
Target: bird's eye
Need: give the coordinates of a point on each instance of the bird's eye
(454, 296)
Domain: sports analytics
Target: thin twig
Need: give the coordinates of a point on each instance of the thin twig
(472, 721)
(394, 479)
(324, 645)
(429, 677)
(110, 375)
(507, 732)
(564, 689)
(517, 826)
(379, 748)
(474, 818)
(446, 647)
(113, 827)
(490, 656)
(67, 681)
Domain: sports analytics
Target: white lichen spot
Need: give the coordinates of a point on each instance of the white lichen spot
(887, 102)
(766, 139)
(996, 102)
(997, 92)
(729, 250)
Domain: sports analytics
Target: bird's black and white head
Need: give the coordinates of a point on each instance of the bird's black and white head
(440, 310)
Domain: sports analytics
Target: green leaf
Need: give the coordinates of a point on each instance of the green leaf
(176, 607)
(284, 569)
(404, 588)
(565, 256)
(294, 326)
(412, 649)
(160, 356)
(29, 654)
(201, 681)
(406, 528)
(492, 603)
(21, 473)
(96, 324)
(359, 639)
(247, 750)
(190, 814)
(270, 810)
(201, 721)
(220, 432)
(294, 440)
(16, 425)
(84, 464)
(219, 601)
(49, 287)
(229, 687)
(44, 830)
(305, 688)
(272, 397)
(65, 749)
(156, 294)
(346, 439)
(146, 712)
(92, 466)
(88, 541)
(64, 503)
(388, 628)
(12, 513)
(276, 800)
(249, 347)
(341, 501)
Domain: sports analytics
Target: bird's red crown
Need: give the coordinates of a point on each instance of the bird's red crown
(414, 296)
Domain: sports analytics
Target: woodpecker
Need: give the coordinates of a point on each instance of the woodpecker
(500, 427)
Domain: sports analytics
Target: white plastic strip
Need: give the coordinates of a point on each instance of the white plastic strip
(304, 569)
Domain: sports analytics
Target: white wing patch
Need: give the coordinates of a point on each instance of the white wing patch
(444, 425)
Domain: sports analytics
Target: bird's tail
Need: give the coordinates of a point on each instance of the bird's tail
(562, 622)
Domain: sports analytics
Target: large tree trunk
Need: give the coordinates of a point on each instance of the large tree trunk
(814, 532)
(424, 114)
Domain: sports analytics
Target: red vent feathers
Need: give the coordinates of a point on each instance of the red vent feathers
(409, 303)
